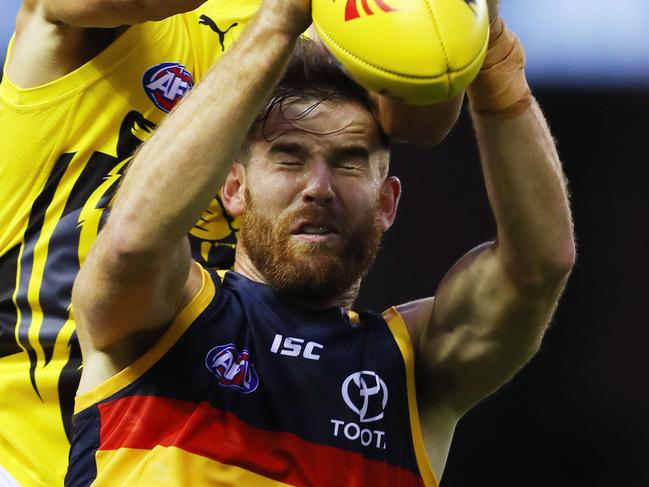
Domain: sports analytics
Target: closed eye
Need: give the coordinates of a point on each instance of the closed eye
(287, 155)
(351, 158)
(350, 165)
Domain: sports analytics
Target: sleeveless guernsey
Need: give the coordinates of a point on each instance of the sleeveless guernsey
(244, 390)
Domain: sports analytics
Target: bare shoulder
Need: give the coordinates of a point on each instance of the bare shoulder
(416, 315)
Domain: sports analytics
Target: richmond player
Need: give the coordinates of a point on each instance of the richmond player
(77, 97)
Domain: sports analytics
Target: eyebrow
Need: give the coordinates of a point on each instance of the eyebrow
(352, 152)
(296, 149)
(291, 148)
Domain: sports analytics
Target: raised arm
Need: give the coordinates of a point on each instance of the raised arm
(55, 37)
(138, 272)
(492, 308)
(107, 13)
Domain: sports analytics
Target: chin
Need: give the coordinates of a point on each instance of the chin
(316, 276)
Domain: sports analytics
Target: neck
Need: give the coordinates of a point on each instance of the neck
(244, 266)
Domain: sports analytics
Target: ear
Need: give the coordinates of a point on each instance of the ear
(389, 200)
(233, 190)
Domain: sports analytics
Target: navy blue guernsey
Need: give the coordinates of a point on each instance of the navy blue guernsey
(244, 389)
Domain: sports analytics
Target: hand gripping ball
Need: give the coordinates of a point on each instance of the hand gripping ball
(419, 51)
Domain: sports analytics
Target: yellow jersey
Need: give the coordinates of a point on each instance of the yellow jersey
(65, 146)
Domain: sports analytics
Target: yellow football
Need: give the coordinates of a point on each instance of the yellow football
(419, 51)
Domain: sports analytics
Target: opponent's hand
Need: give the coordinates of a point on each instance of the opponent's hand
(290, 16)
(420, 125)
(494, 9)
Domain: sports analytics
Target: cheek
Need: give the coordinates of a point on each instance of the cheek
(360, 197)
(271, 194)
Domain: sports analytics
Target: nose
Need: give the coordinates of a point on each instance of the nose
(319, 186)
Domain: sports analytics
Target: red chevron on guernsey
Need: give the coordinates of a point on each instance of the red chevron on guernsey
(351, 9)
(149, 422)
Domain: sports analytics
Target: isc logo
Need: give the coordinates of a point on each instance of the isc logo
(351, 9)
(294, 347)
(165, 84)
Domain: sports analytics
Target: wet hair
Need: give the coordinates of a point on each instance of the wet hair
(313, 75)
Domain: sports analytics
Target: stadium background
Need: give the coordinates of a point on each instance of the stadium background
(577, 415)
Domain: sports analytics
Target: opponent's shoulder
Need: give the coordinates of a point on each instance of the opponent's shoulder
(114, 13)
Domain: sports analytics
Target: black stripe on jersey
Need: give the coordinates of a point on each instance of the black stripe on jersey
(61, 267)
(134, 123)
(34, 228)
(83, 468)
(69, 381)
(62, 263)
(45, 197)
(8, 313)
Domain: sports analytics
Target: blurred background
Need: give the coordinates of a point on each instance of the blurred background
(578, 414)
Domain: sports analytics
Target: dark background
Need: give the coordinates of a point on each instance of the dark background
(577, 415)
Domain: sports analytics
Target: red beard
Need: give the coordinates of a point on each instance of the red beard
(311, 272)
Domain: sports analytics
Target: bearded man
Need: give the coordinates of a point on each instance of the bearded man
(263, 375)
(85, 83)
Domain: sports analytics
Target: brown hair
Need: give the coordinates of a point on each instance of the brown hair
(314, 74)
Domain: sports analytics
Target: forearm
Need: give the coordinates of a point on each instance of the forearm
(492, 308)
(184, 164)
(527, 191)
(523, 174)
(113, 13)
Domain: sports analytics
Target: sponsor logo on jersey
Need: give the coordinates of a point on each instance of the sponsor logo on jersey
(205, 20)
(166, 83)
(296, 347)
(352, 12)
(233, 368)
(366, 394)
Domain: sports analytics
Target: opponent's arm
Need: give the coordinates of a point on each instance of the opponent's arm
(492, 308)
(109, 13)
(135, 277)
(55, 37)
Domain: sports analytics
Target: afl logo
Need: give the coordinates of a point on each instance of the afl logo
(166, 83)
(351, 9)
(232, 368)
